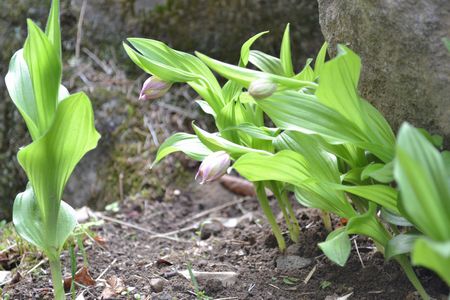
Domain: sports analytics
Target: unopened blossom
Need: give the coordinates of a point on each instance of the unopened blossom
(261, 88)
(213, 167)
(154, 88)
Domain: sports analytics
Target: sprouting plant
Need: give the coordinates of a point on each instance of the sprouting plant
(198, 293)
(422, 174)
(330, 147)
(240, 122)
(62, 129)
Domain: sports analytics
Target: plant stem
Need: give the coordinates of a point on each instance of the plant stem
(295, 233)
(55, 267)
(264, 202)
(407, 268)
(286, 209)
(326, 220)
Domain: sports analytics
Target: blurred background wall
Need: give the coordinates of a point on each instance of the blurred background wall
(119, 166)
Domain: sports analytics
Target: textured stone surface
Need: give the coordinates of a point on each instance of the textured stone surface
(406, 68)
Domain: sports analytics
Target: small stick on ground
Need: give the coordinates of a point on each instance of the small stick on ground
(310, 274)
(106, 270)
(210, 211)
(154, 234)
(359, 255)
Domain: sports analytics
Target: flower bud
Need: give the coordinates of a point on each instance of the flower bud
(261, 88)
(213, 167)
(154, 88)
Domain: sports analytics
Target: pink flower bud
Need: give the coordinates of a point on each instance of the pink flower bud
(154, 88)
(261, 88)
(213, 167)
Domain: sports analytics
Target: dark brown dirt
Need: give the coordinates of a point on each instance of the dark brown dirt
(248, 249)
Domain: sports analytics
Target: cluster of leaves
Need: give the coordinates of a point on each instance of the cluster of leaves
(330, 147)
(62, 129)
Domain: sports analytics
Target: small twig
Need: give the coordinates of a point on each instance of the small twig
(98, 61)
(155, 234)
(359, 255)
(80, 29)
(8, 248)
(274, 286)
(214, 209)
(37, 265)
(310, 274)
(106, 270)
(149, 125)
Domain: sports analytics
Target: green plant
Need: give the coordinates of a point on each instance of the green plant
(62, 129)
(240, 122)
(422, 174)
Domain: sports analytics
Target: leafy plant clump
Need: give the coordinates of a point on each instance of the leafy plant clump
(62, 129)
(330, 147)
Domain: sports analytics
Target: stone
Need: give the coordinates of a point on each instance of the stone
(292, 263)
(406, 67)
(210, 228)
(158, 284)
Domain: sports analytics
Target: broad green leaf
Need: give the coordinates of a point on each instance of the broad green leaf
(393, 218)
(297, 111)
(246, 76)
(320, 60)
(435, 139)
(338, 90)
(189, 144)
(18, 82)
(216, 143)
(337, 246)
(322, 165)
(30, 225)
(262, 133)
(44, 66)
(338, 85)
(381, 194)
(367, 224)
(53, 28)
(165, 72)
(232, 89)
(159, 59)
(433, 255)
(380, 172)
(207, 109)
(266, 63)
(245, 49)
(400, 244)
(422, 178)
(285, 54)
(49, 161)
(307, 73)
(292, 168)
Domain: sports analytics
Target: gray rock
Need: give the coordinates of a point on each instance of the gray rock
(292, 263)
(158, 284)
(406, 67)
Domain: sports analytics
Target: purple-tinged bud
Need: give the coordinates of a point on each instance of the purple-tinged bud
(154, 88)
(261, 88)
(213, 167)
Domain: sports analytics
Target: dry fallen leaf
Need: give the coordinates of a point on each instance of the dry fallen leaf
(238, 185)
(100, 240)
(82, 276)
(114, 286)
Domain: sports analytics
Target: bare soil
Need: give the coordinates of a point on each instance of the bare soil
(208, 239)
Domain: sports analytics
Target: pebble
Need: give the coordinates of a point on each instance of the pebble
(288, 263)
(157, 284)
(210, 228)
